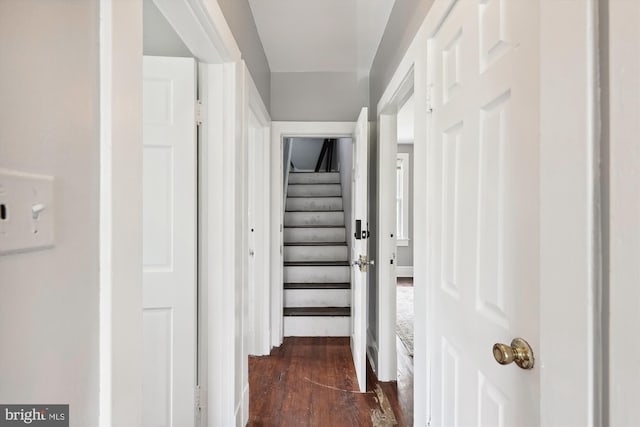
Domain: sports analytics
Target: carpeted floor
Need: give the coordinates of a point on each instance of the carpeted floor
(404, 322)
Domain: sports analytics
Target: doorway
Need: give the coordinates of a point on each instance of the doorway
(317, 224)
(404, 226)
(169, 196)
(231, 298)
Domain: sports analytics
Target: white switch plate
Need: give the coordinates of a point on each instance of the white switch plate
(26, 211)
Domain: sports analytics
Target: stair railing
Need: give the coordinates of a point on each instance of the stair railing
(327, 150)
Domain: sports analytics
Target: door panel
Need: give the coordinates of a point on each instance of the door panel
(359, 211)
(484, 125)
(169, 241)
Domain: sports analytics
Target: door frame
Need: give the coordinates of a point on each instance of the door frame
(279, 131)
(569, 271)
(205, 32)
(386, 244)
(621, 205)
(409, 77)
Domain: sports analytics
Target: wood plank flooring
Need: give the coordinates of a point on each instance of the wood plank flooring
(312, 382)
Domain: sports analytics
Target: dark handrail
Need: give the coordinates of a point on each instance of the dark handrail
(327, 149)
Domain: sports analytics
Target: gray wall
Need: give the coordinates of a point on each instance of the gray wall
(159, 37)
(318, 96)
(405, 253)
(49, 299)
(238, 15)
(404, 22)
(305, 153)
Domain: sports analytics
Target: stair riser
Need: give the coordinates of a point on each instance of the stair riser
(298, 326)
(313, 218)
(317, 190)
(306, 235)
(317, 274)
(316, 253)
(314, 178)
(314, 204)
(317, 297)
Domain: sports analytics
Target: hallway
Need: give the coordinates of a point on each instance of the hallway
(311, 381)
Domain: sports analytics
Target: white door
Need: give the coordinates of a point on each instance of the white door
(485, 272)
(359, 254)
(169, 241)
(624, 211)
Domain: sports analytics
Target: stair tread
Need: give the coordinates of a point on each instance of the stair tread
(313, 197)
(317, 285)
(315, 243)
(314, 226)
(317, 311)
(316, 263)
(316, 211)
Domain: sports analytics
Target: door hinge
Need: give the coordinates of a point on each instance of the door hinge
(199, 112)
(200, 398)
(430, 99)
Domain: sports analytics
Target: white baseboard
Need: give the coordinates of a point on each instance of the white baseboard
(404, 271)
(242, 410)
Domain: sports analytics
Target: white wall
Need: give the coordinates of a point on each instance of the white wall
(49, 124)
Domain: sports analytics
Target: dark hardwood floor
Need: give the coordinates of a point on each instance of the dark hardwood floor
(312, 382)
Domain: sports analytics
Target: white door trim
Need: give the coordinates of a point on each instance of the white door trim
(409, 77)
(566, 280)
(279, 130)
(386, 224)
(569, 268)
(621, 85)
(203, 29)
(120, 262)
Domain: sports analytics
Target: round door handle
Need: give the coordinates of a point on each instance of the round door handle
(519, 351)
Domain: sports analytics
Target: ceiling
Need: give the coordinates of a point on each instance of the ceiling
(320, 35)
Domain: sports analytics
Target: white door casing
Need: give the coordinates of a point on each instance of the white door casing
(169, 241)
(386, 250)
(279, 131)
(359, 209)
(484, 155)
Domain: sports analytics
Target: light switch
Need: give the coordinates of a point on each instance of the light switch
(26, 212)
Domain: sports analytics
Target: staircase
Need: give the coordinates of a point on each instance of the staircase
(317, 291)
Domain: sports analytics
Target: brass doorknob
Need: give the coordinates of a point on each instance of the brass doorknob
(519, 352)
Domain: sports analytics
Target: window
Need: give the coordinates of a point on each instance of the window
(402, 199)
